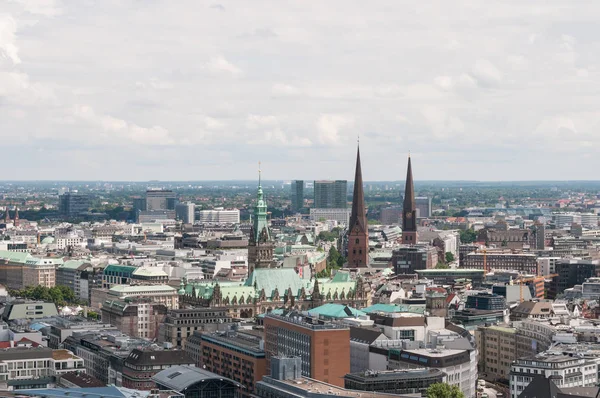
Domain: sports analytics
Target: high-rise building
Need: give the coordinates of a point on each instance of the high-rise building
(260, 245)
(331, 194)
(73, 204)
(423, 204)
(297, 195)
(358, 230)
(409, 210)
(219, 215)
(160, 200)
(185, 212)
(324, 348)
(391, 215)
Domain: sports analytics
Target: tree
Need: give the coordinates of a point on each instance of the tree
(468, 236)
(449, 257)
(442, 390)
(441, 265)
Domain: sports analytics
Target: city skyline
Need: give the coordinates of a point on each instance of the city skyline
(494, 91)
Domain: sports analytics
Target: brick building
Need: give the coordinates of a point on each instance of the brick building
(142, 364)
(238, 355)
(323, 347)
(136, 318)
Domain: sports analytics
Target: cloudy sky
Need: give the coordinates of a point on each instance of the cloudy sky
(197, 90)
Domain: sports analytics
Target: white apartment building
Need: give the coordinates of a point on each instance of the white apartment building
(71, 239)
(565, 371)
(342, 216)
(219, 215)
(163, 294)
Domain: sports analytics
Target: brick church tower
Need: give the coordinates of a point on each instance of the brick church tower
(358, 232)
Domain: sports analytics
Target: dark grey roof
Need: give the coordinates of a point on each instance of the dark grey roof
(365, 335)
(540, 387)
(158, 357)
(179, 378)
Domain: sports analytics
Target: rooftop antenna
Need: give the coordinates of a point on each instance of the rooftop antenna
(259, 173)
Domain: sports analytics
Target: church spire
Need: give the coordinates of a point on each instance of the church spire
(16, 216)
(358, 215)
(7, 216)
(409, 209)
(358, 232)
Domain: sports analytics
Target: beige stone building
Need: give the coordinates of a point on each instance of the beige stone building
(497, 350)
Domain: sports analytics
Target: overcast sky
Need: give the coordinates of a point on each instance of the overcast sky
(198, 90)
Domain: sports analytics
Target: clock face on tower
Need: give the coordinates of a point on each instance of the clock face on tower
(408, 215)
(356, 229)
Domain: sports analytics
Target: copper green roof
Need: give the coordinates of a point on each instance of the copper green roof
(119, 268)
(15, 257)
(281, 279)
(73, 264)
(331, 310)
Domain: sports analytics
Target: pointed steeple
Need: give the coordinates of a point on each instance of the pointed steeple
(358, 230)
(409, 190)
(6, 216)
(358, 215)
(16, 216)
(409, 209)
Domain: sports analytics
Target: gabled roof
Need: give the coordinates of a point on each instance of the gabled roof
(366, 335)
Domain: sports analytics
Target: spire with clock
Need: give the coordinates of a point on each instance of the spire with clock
(358, 229)
(409, 210)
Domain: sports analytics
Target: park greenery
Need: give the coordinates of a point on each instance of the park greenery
(334, 261)
(61, 295)
(442, 390)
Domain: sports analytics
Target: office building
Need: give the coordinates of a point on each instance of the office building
(135, 317)
(297, 195)
(449, 276)
(405, 381)
(459, 365)
(486, 301)
(141, 364)
(219, 215)
(423, 204)
(523, 262)
(150, 216)
(287, 381)
(237, 355)
(73, 204)
(195, 382)
(358, 229)
(497, 351)
(324, 348)
(409, 210)
(564, 370)
(331, 194)
(342, 216)
(571, 273)
(163, 294)
(391, 215)
(160, 200)
(539, 235)
(409, 259)
(185, 212)
(180, 324)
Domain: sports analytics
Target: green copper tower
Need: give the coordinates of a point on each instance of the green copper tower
(260, 246)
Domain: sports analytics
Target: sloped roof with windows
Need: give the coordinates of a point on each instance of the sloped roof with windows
(180, 378)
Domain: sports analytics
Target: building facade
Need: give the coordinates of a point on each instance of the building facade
(297, 187)
(331, 194)
(180, 324)
(185, 212)
(324, 349)
(137, 318)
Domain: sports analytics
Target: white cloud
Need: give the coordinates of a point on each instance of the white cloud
(219, 64)
(48, 8)
(214, 79)
(330, 128)
(284, 89)
(106, 127)
(8, 47)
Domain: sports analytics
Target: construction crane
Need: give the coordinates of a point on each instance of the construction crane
(532, 279)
